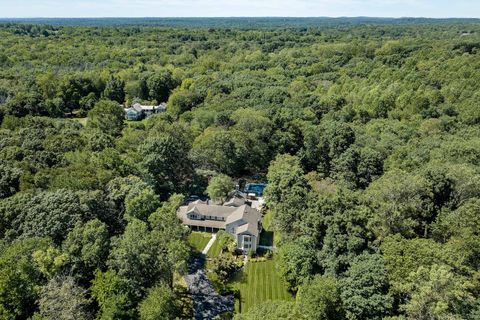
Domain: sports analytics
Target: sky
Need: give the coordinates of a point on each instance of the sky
(239, 8)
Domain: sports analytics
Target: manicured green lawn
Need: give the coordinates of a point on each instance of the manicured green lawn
(214, 250)
(198, 240)
(258, 283)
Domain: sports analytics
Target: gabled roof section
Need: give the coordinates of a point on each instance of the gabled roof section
(248, 228)
(205, 209)
(137, 107)
(245, 213)
(235, 202)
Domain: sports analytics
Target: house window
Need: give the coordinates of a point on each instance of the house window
(247, 239)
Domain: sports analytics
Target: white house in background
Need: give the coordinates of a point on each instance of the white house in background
(236, 217)
(139, 112)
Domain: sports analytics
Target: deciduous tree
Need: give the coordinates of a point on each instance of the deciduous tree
(219, 187)
(106, 116)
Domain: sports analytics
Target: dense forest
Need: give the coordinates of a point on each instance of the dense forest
(367, 134)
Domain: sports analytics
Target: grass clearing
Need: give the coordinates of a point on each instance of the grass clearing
(214, 250)
(259, 282)
(198, 240)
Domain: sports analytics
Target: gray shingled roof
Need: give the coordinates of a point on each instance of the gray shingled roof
(251, 217)
(210, 210)
(248, 227)
(182, 214)
(235, 202)
(137, 107)
(245, 213)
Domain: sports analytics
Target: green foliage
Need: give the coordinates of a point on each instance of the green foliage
(319, 298)
(160, 85)
(86, 248)
(219, 187)
(74, 88)
(20, 280)
(364, 290)
(159, 304)
(226, 241)
(297, 261)
(166, 221)
(140, 205)
(114, 90)
(366, 131)
(437, 293)
(286, 191)
(335, 138)
(402, 257)
(181, 101)
(51, 214)
(112, 296)
(49, 261)
(346, 236)
(459, 229)
(106, 116)
(62, 298)
(9, 180)
(138, 257)
(358, 167)
(26, 103)
(402, 204)
(224, 266)
(165, 162)
(215, 150)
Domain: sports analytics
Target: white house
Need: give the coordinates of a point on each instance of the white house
(138, 111)
(237, 218)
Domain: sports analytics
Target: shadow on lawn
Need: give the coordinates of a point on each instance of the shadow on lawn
(266, 238)
(240, 277)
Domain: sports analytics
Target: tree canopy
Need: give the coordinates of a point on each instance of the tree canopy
(366, 132)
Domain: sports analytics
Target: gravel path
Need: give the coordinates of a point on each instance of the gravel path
(207, 302)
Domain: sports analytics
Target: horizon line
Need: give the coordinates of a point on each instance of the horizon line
(230, 17)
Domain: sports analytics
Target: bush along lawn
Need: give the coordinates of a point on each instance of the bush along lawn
(257, 283)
